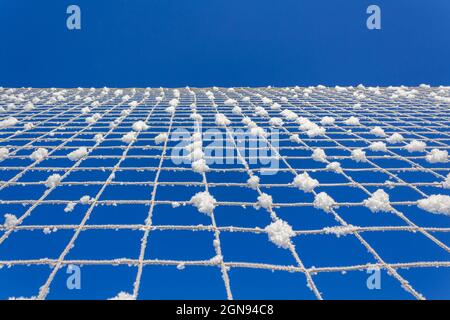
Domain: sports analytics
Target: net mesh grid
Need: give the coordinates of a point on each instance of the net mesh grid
(126, 175)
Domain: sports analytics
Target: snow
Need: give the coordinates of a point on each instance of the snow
(275, 106)
(315, 132)
(28, 106)
(181, 266)
(174, 103)
(289, 115)
(319, 155)
(327, 121)
(247, 121)
(195, 146)
(133, 104)
(22, 298)
(305, 182)
(340, 230)
(124, 113)
(352, 121)
(196, 117)
(98, 138)
(266, 100)
(216, 259)
(93, 119)
(280, 233)
(437, 156)
(261, 112)
(265, 201)
(378, 146)
(9, 107)
(358, 155)
(77, 154)
(306, 124)
(139, 126)
(39, 155)
(334, 166)
(129, 137)
(9, 122)
(85, 199)
(222, 120)
(378, 131)
(196, 154)
(258, 132)
(210, 95)
(436, 203)
(28, 126)
(446, 182)
(276, 122)
(123, 296)
(70, 206)
(340, 89)
(200, 166)
(53, 180)
(170, 110)
(10, 220)
(395, 138)
(161, 138)
(253, 182)
(416, 146)
(4, 153)
(197, 136)
(378, 202)
(204, 202)
(237, 110)
(230, 102)
(175, 204)
(295, 138)
(324, 201)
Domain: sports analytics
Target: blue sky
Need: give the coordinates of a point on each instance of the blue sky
(228, 43)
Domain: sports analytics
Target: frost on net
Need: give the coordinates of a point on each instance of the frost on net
(336, 151)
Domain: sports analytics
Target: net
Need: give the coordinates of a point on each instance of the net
(237, 193)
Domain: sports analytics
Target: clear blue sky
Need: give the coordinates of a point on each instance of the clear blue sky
(229, 43)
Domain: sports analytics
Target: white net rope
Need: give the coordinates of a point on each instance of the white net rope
(339, 130)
